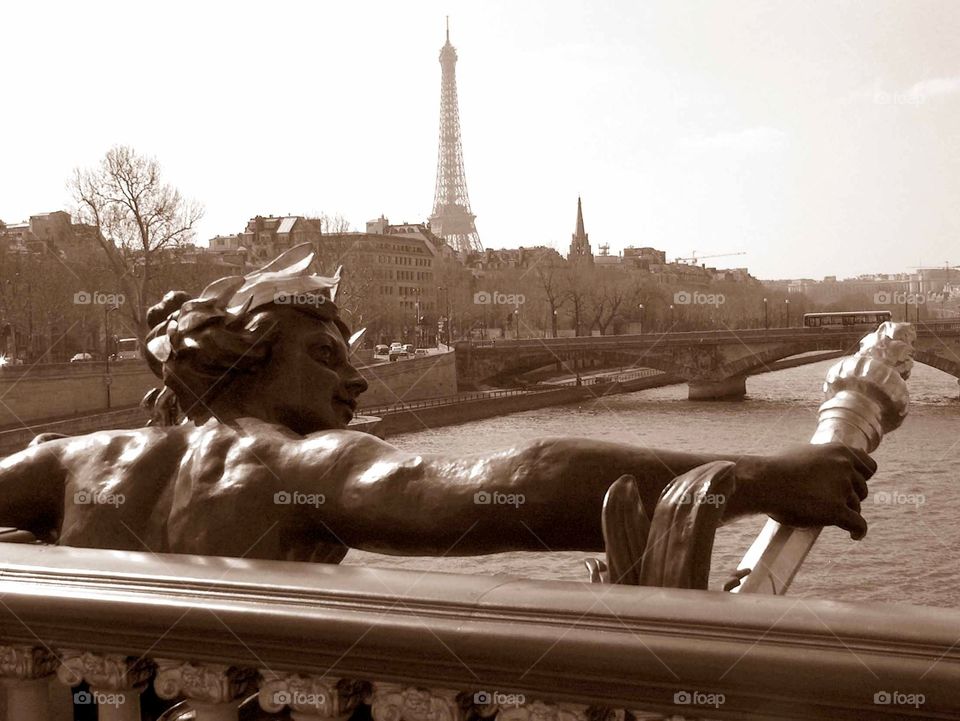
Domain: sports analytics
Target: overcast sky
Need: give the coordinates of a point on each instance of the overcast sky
(818, 137)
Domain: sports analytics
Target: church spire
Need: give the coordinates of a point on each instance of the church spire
(580, 231)
(580, 241)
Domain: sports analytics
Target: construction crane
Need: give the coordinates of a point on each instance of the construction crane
(693, 259)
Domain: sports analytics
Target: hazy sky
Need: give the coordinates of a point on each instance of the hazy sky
(819, 137)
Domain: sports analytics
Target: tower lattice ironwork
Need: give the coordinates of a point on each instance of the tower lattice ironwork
(452, 218)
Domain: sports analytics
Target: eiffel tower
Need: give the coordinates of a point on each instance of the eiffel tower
(451, 218)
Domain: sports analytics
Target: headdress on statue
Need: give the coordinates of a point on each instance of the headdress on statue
(197, 345)
(290, 279)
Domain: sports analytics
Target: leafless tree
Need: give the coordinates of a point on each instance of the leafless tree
(577, 280)
(550, 279)
(609, 290)
(137, 216)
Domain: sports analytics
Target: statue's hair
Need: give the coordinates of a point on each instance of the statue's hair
(209, 358)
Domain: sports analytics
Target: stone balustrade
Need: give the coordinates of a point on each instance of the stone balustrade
(313, 642)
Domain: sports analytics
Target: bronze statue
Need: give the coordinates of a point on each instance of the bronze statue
(264, 467)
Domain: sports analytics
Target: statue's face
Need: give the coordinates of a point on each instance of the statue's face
(308, 384)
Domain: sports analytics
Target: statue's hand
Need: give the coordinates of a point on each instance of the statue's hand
(820, 485)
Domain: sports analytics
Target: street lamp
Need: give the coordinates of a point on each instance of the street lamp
(640, 307)
(672, 322)
(516, 321)
(787, 302)
(107, 310)
(440, 296)
(554, 324)
(418, 329)
(446, 306)
(766, 320)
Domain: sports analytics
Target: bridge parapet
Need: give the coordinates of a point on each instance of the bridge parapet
(323, 640)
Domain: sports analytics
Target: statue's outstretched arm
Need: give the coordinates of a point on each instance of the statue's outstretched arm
(32, 489)
(547, 494)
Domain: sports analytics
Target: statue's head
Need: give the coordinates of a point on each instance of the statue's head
(270, 345)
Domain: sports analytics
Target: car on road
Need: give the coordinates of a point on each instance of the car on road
(408, 347)
(381, 349)
(396, 355)
(419, 352)
(82, 357)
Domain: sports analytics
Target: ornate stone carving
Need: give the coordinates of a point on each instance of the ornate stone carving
(207, 682)
(541, 711)
(315, 695)
(109, 672)
(26, 662)
(605, 713)
(394, 702)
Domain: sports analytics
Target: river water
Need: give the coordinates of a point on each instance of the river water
(911, 553)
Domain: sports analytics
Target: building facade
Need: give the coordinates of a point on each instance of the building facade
(50, 233)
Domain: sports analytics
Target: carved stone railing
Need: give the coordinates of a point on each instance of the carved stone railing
(322, 640)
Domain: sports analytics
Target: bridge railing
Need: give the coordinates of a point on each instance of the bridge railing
(765, 334)
(612, 377)
(324, 641)
(401, 406)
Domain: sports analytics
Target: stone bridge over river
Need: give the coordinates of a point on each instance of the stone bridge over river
(715, 364)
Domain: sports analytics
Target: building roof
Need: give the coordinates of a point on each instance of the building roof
(286, 225)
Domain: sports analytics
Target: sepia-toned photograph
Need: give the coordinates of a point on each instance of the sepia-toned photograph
(480, 360)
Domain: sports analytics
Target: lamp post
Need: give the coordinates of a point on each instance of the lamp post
(766, 319)
(418, 329)
(446, 306)
(440, 298)
(516, 321)
(787, 303)
(672, 322)
(640, 308)
(107, 309)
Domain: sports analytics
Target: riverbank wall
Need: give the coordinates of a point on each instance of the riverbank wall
(474, 407)
(67, 395)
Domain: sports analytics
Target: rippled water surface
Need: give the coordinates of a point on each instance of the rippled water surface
(910, 555)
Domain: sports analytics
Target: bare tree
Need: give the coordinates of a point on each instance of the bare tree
(137, 217)
(577, 281)
(334, 224)
(606, 294)
(550, 278)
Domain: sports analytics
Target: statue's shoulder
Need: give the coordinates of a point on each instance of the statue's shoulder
(343, 445)
(127, 443)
